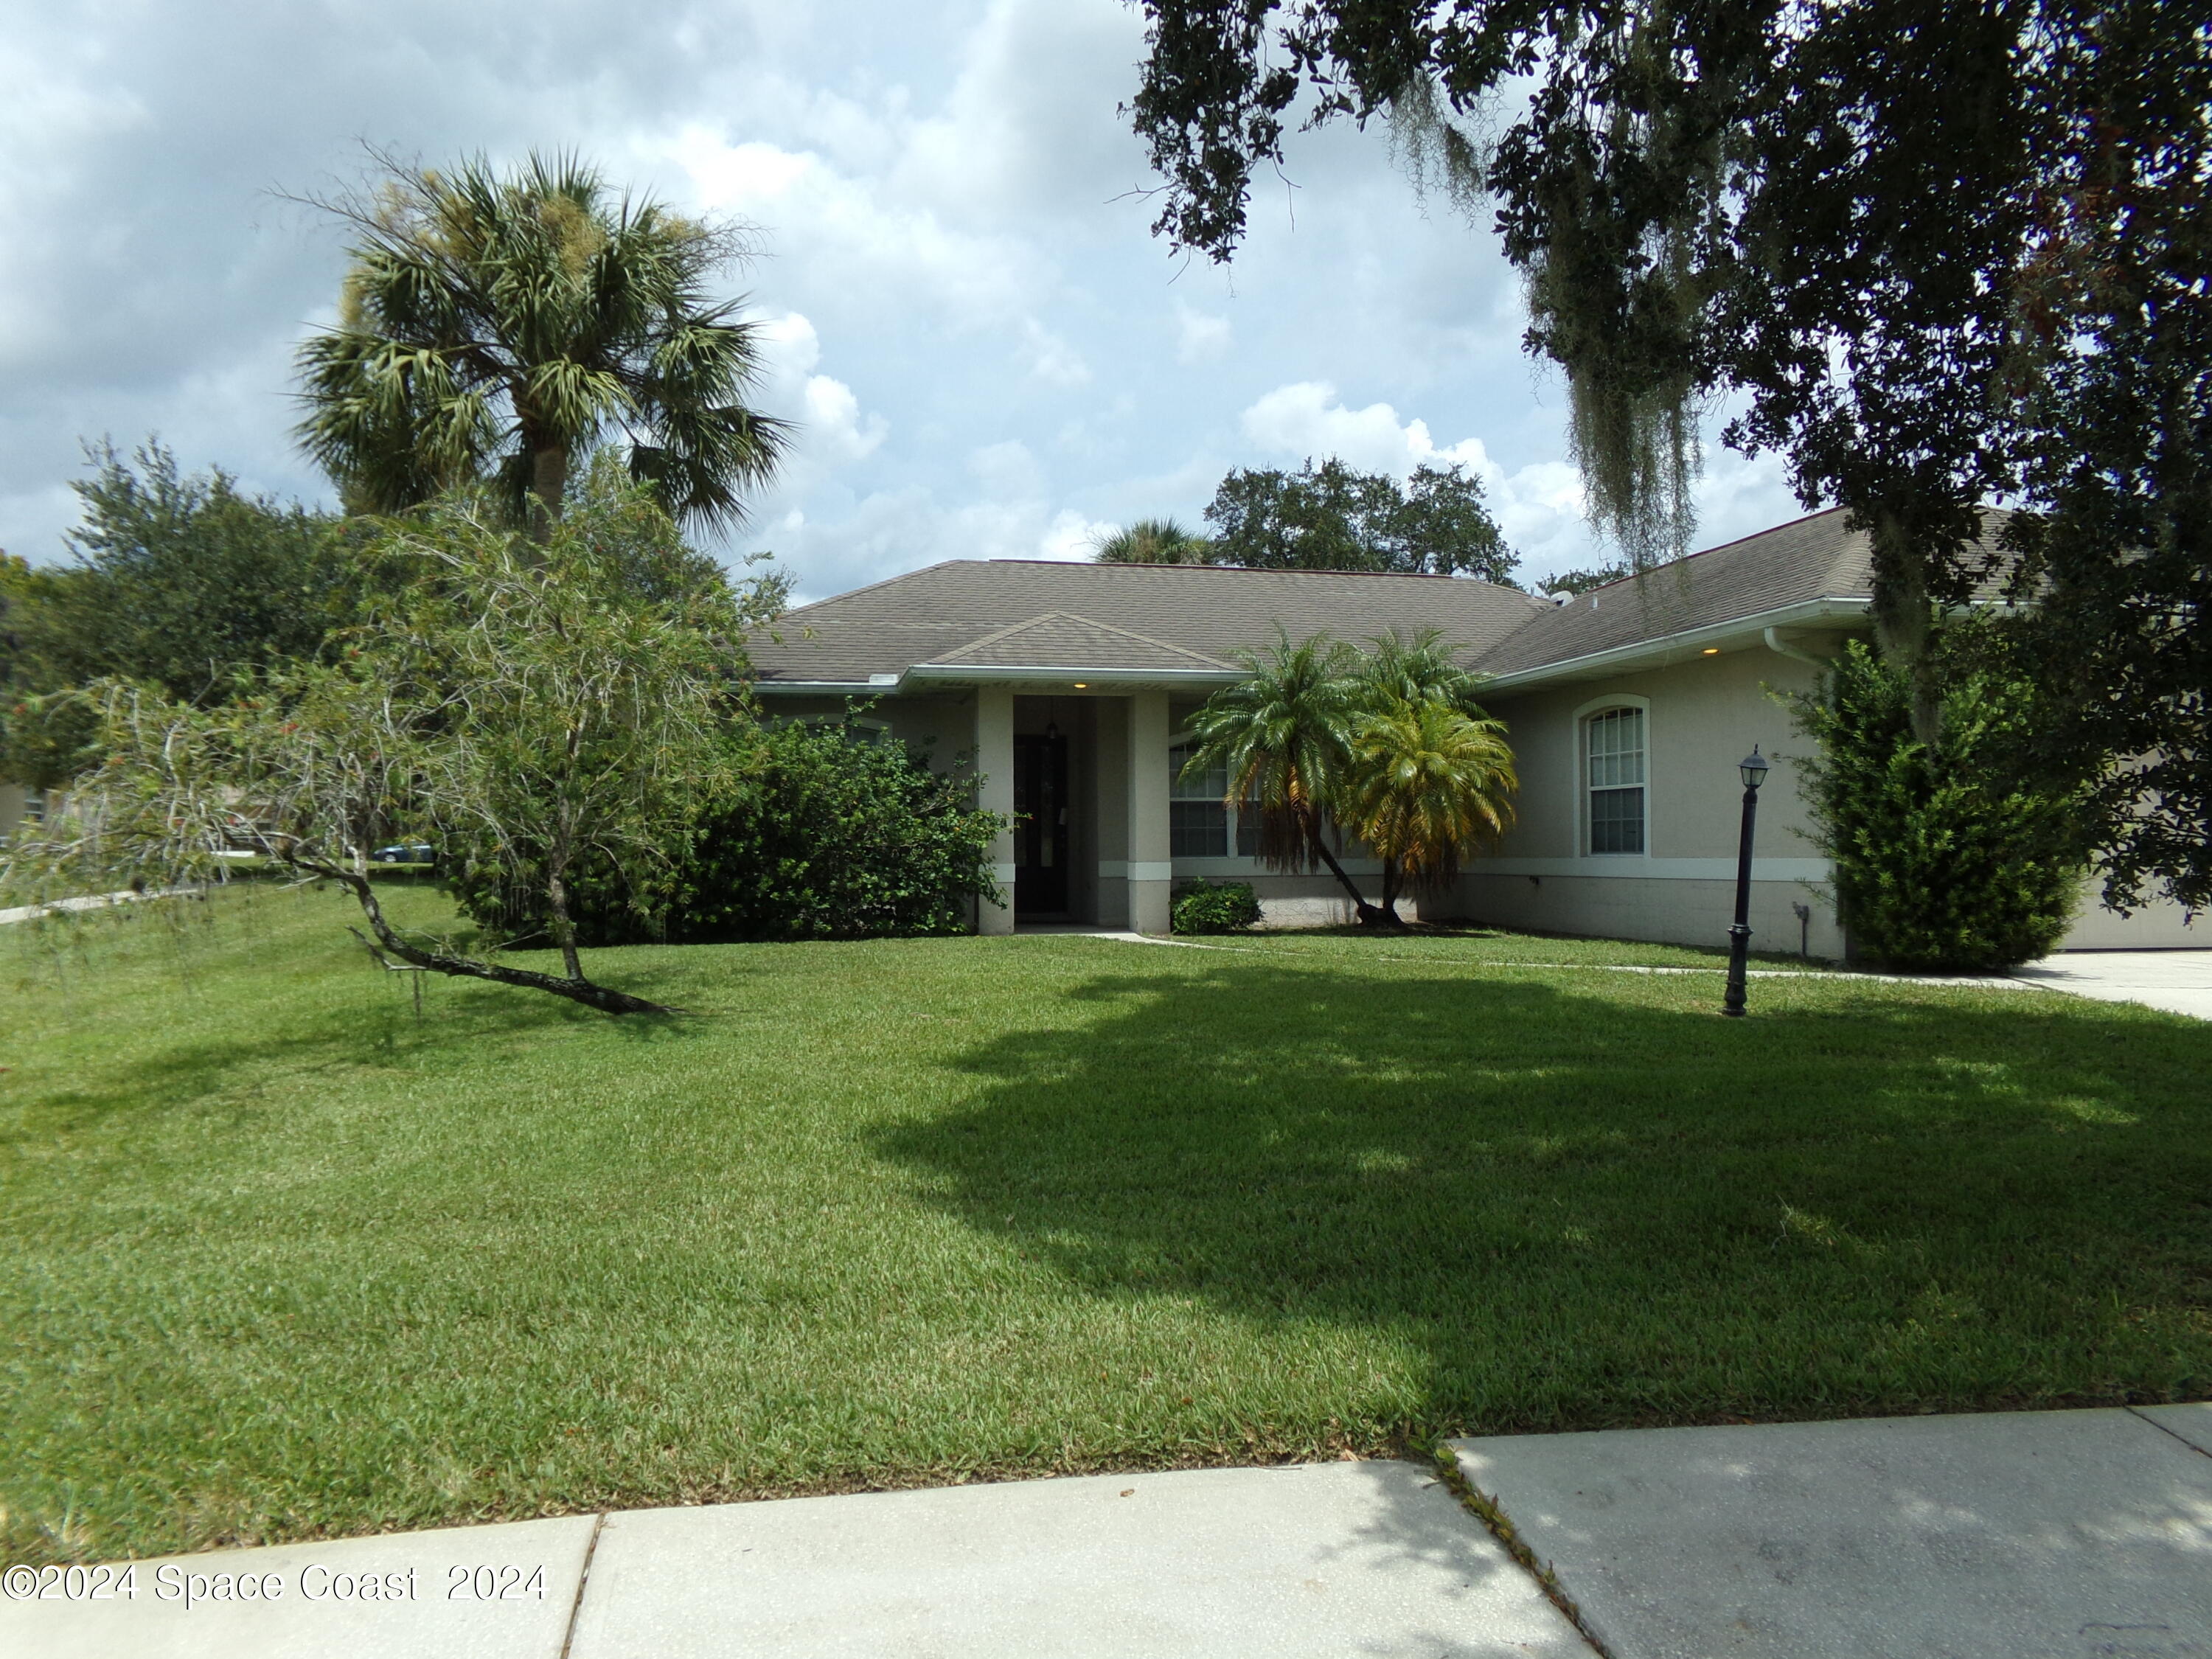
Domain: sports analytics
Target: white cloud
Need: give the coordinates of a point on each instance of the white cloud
(1199, 338)
(833, 425)
(1051, 359)
(1073, 537)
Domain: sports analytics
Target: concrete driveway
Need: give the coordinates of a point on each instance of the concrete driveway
(2179, 981)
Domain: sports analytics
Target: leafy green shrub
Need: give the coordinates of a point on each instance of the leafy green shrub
(1957, 859)
(1209, 907)
(825, 837)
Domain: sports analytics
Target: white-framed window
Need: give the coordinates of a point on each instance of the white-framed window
(34, 806)
(1198, 822)
(1616, 778)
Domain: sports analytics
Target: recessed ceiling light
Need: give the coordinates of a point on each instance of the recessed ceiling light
(1713, 651)
(1083, 685)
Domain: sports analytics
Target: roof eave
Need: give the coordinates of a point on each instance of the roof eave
(1671, 648)
(997, 673)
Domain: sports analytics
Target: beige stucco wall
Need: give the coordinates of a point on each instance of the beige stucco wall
(1701, 717)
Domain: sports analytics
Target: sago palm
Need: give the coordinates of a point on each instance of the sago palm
(497, 327)
(1428, 782)
(1283, 734)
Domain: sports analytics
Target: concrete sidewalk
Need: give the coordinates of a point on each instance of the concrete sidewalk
(2019, 1534)
(1311, 1562)
(2179, 981)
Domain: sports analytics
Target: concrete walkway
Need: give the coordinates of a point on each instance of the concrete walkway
(90, 902)
(2019, 1534)
(2179, 981)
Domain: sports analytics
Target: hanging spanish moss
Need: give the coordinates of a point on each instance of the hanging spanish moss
(1606, 194)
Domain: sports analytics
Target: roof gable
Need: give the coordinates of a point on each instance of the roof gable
(1058, 639)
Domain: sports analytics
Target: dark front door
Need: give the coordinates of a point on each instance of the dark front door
(1040, 826)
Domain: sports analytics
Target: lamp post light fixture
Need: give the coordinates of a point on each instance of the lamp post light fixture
(1753, 767)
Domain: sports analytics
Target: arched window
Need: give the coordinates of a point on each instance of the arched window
(1613, 742)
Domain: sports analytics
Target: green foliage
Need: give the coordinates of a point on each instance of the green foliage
(1154, 541)
(1842, 217)
(1334, 518)
(537, 707)
(1428, 782)
(1582, 581)
(179, 582)
(1283, 735)
(1390, 744)
(1210, 907)
(496, 328)
(2118, 546)
(1959, 857)
(815, 834)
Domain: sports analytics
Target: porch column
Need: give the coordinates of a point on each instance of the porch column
(994, 759)
(1150, 872)
(1113, 774)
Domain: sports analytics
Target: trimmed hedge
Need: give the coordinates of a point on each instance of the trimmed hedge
(829, 837)
(1957, 859)
(1207, 906)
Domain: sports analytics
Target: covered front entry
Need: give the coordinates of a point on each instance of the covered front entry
(1083, 774)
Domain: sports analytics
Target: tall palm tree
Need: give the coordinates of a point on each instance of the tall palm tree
(1427, 781)
(1154, 541)
(1283, 734)
(497, 328)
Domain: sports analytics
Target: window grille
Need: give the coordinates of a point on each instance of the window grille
(1616, 781)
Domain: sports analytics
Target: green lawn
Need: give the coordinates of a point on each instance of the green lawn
(281, 1262)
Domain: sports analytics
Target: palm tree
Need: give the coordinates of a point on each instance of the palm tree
(1154, 541)
(1283, 734)
(497, 327)
(1428, 780)
(1419, 669)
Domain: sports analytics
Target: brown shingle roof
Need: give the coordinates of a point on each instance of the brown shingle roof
(933, 614)
(1038, 613)
(1811, 558)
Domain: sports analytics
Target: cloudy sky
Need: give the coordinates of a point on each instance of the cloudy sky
(989, 355)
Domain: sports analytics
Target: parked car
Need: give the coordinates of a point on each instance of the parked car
(405, 852)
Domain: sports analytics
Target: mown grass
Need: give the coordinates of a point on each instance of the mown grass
(282, 1262)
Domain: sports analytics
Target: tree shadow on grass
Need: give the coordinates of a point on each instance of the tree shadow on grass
(1580, 1210)
(255, 1056)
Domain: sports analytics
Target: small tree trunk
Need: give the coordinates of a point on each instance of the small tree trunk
(1367, 914)
(549, 484)
(564, 930)
(1904, 620)
(1390, 917)
(576, 989)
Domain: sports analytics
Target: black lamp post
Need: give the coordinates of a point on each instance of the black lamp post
(1754, 769)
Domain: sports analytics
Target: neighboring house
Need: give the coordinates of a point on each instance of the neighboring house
(1069, 686)
(20, 808)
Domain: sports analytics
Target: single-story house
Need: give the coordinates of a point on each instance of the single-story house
(1628, 707)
